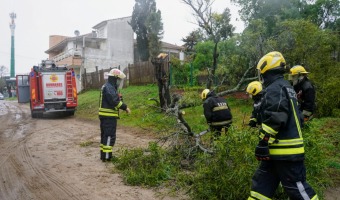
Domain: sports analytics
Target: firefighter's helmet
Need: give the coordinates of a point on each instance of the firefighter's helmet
(205, 93)
(254, 88)
(272, 60)
(297, 70)
(117, 73)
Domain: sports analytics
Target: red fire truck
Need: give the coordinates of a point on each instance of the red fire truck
(52, 89)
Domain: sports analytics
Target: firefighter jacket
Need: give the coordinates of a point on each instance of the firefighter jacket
(306, 96)
(110, 102)
(282, 120)
(216, 110)
(255, 114)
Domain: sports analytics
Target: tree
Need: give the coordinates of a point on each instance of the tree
(314, 48)
(323, 13)
(215, 27)
(155, 32)
(147, 23)
(3, 71)
(191, 40)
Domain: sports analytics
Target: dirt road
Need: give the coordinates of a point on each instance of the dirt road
(44, 159)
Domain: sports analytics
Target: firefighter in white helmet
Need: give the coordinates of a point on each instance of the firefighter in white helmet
(109, 105)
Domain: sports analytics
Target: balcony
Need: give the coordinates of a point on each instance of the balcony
(70, 58)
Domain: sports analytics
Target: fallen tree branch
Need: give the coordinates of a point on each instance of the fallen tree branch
(237, 87)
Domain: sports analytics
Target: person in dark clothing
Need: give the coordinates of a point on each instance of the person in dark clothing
(305, 91)
(281, 147)
(254, 89)
(216, 111)
(109, 104)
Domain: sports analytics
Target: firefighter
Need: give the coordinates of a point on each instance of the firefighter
(109, 105)
(280, 148)
(254, 89)
(216, 112)
(305, 91)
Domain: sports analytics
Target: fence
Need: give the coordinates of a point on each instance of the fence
(140, 73)
(95, 80)
(143, 73)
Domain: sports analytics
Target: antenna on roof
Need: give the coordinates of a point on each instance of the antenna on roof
(77, 33)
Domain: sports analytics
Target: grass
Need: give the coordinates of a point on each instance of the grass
(225, 175)
(11, 99)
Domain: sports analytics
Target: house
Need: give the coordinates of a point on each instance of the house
(109, 45)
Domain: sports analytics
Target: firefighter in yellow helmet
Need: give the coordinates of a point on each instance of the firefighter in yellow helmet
(254, 89)
(216, 111)
(109, 105)
(305, 91)
(280, 148)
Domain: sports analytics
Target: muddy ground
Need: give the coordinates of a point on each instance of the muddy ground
(44, 159)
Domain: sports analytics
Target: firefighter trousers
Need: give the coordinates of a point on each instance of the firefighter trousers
(291, 174)
(217, 130)
(107, 137)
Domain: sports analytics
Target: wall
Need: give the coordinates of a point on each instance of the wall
(116, 51)
(55, 39)
(120, 41)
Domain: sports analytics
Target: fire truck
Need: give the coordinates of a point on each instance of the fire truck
(52, 89)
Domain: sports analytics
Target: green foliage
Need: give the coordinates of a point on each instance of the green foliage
(155, 32)
(147, 23)
(225, 174)
(191, 40)
(181, 73)
(322, 152)
(2, 84)
(323, 13)
(148, 168)
(303, 43)
(232, 61)
(204, 55)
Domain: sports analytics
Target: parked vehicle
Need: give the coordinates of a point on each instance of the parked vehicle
(52, 89)
(2, 97)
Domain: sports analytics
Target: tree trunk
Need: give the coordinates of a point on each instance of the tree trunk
(162, 81)
(211, 77)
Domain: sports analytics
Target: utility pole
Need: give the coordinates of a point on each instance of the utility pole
(12, 27)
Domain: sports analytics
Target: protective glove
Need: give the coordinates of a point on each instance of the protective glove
(120, 96)
(252, 123)
(305, 119)
(262, 149)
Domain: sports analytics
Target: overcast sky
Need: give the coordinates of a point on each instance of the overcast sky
(38, 19)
